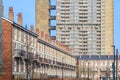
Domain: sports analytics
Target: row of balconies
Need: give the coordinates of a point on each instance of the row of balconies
(56, 63)
(23, 54)
(18, 53)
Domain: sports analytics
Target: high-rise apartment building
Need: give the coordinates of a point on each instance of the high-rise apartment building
(42, 15)
(86, 26)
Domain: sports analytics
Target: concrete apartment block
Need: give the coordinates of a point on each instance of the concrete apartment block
(86, 26)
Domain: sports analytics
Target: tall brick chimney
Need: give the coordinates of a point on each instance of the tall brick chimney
(32, 28)
(20, 19)
(37, 30)
(11, 14)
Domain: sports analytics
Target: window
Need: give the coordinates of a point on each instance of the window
(15, 45)
(18, 46)
(25, 48)
(19, 66)
(24, 37)
(32, 41)
(15, 64)
(24, 69)
(15, 33)
(19, 35)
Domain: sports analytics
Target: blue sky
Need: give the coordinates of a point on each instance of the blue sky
(27, 7)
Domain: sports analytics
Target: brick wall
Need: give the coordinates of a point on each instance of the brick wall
(6, 50)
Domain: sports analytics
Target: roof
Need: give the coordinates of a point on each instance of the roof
(96, 57)
(20, 27)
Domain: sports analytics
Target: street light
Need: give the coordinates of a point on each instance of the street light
(62, 68)
(113, 65)
(116, 62)
(88, 68)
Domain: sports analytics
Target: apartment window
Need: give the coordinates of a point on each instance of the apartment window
(28, 38)
(24, 66)
(19, 66)
(24, 48)
(15, 64)
(15, 33)
(15, 45)
(32, 41)
(18, 46)
(24, 37)
(19, 35)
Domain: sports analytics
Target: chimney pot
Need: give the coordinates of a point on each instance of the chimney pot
(11, 8)
(20, 14)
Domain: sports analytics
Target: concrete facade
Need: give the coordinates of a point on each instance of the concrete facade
(86, 26)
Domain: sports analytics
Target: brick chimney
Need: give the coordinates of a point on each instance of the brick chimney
(11, 14)
(20, 19)
(37, 30)
(32, 28)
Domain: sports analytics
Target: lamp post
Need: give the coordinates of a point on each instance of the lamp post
(116, 62)
(27, 66)
(77, 67)
(113, 65)
(62, 69)
(87, 68)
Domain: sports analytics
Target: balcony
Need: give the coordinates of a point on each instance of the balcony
(53, 17)
(45, 61)
(52, 7)
(36, 57)
(18, 53)
(42, 60)
(53, 27)
(28, 56)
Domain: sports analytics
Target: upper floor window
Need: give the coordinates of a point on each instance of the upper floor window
(18, 46)
(15, 45)
(24, 37)
(19, 35)
(15, 33)
(34, 42)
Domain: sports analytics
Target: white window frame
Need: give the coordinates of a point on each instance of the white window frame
(15, 34)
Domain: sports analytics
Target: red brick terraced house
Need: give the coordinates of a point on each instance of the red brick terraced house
(30, 55)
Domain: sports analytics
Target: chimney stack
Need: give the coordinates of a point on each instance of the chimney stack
(11, 14)
(37, 30)
(20, 19)
(32, 28)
